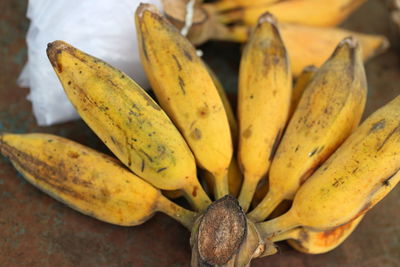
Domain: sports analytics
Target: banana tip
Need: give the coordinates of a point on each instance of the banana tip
(267, 17)
(310, 68)
(53, 50)
(349, 41)
(143, 7)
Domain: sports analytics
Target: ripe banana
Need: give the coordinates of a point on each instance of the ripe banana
(186, 92)
(128, 121)
(227, 5)
(359, 174)
(312, 45)
(227, 106)
(235, 177)
(301, 83)
(330, 108)
(263, 103)
(319, 13)
(318, 242)
(88, 181)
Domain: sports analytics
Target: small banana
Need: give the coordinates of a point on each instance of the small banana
(228, 5)
(88, 181)
(235, 177)
(330, 108)
(319, 13)
(362, 171)
(308, 45)
(318, 242)
(227, 106)
(263, 103)
(128, 121)
(300, 85)
(186, 92)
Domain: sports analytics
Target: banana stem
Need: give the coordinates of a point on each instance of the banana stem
(272, 228)
(291, 234)
(249, 187)
(221, 185)
(184, 216)
(196, 196)
(265, 207)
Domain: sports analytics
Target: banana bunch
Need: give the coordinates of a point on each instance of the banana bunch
(303, 144)
(309, 28)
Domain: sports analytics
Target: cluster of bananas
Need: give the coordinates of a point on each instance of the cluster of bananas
(306, 140)
(308, 27)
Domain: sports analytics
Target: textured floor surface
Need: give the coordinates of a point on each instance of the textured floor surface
(36, 230)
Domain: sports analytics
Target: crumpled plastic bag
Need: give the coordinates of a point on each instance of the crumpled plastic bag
(102, 28)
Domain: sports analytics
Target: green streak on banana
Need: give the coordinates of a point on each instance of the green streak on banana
(329, 110)
(362, 171)
(186, 92)
(88, 181)
(318, 242)
(128, 121)
(265, 85)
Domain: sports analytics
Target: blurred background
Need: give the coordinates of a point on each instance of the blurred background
(36, 230)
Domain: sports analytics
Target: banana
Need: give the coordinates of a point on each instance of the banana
(186, 92)
(88, 181)
(227, 106)
(318, 242)
(362, 171)
(312, 45)
(330, 108)
(300, 85)
(319, 13)
(128, 121)
(263, 103)
(227, 5)
(235, 177)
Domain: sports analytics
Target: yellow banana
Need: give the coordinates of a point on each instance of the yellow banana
(330, 108)
(226, 5)
(359, 174)
(227, 106)
(86, 180)
(263, 103)
(318, 242)
(186, 92)
(235, 177)
(128, 121)
(319, 13)
(301, 83)
(312, 45)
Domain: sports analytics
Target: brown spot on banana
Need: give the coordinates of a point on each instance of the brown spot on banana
(178, 64)
(73, 155)
(247, 133)
(196, 134)
(182, 84)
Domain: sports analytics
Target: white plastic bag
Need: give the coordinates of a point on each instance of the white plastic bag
(102, 28)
